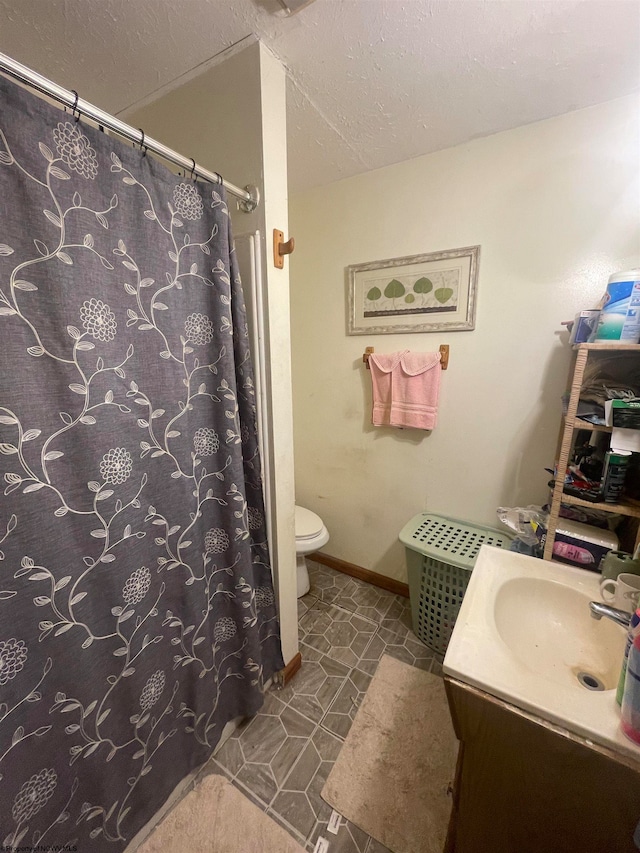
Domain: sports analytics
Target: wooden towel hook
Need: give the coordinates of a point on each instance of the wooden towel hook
(444, 356)
(280, 248)
(443, 349)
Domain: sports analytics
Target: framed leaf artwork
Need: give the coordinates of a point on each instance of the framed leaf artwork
(435, 292)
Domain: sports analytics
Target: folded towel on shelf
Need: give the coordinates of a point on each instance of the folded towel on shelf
(406, 386)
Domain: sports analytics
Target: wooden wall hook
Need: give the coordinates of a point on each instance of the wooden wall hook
(444, 356)
(280, 248)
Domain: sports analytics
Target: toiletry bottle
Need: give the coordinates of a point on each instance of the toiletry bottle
(573, 553)
(630, 711)
(616, 463)
(634, 629)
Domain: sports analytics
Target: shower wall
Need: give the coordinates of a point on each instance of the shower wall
(248, 252)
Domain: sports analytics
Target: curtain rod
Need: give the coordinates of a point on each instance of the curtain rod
(249, 196)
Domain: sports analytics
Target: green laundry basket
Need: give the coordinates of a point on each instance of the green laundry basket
(441, 554)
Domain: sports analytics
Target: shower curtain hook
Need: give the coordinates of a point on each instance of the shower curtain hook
(75, 106)
(193, 168)
(142, 145)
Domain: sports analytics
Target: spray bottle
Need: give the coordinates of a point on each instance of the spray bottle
(630, 711)
(634, 631)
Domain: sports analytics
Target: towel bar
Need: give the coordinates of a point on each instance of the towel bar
(443, 348)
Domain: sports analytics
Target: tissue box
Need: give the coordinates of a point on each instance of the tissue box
(582, 545)
(625, 414)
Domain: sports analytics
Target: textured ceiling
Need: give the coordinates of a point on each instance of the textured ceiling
(371, 82)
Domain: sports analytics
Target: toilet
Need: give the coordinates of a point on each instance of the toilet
(311, 534)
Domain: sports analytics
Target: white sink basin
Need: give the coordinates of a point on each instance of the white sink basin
(525, 634)
(554, 635)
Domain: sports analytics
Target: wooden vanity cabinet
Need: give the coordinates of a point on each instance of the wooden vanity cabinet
(525, 786)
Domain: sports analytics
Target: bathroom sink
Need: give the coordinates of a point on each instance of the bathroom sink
(525, 635)
(554, 635)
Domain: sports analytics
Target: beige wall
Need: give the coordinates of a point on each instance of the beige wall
(554, 206)
(231, 119)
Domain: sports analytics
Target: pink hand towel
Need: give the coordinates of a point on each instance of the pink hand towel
(406, 386)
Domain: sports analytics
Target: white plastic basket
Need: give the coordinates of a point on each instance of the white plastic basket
(441, 554)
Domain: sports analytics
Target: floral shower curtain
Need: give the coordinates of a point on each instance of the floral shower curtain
(137, 611)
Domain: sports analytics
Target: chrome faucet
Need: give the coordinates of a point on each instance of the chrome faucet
(620, 617)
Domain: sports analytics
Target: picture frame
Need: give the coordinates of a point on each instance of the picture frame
(433, 292)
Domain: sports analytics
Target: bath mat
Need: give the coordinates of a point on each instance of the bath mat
(394, 771)
(216, 818)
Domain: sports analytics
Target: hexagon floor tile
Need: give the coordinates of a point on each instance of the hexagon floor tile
(335, 588)
(282, 757)
(338, 633)
(343, 709)
(348, 839)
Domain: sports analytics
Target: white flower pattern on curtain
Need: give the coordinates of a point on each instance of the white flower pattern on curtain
(137, 613)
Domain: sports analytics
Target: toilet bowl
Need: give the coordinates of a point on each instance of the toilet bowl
(311, 534)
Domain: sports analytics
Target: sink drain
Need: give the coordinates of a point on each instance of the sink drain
(590, 681)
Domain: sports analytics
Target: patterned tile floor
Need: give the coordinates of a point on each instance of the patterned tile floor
(282, 757)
